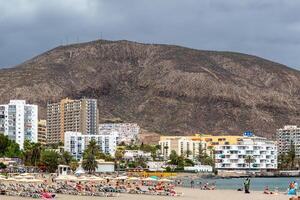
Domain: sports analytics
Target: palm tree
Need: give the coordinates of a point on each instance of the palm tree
(187, 154)
(93, 147)
(36, 153)
(89, 163)
(74, 164)
(291, 155)
(118, 157)
(66, 158)
(165, 151)
(32, 153)
(249, 159)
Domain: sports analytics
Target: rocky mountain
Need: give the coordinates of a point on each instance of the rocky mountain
(166, 89)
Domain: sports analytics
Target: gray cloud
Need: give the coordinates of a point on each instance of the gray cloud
(270, 29)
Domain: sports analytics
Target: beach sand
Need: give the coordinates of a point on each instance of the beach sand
(188, 194)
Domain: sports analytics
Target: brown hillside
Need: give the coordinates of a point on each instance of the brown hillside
(166, 89)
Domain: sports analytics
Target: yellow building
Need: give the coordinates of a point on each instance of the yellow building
(212, 140)
(190, 146)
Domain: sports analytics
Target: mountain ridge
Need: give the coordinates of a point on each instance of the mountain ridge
(167, 89)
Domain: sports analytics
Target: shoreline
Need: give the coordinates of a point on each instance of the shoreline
(187, 194)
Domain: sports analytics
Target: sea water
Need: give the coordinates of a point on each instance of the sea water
(257, 184)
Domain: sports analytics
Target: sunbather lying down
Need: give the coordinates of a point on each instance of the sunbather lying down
(47, 195)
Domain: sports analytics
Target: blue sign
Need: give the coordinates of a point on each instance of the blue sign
(248, 133)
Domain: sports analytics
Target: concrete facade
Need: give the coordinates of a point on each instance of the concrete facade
(19, 121)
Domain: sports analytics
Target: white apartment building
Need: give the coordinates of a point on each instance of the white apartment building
(76, 143)
(132, 155)
(287, 135)
(263, 154)
(182, 146)
(127, 132)
(19, 121)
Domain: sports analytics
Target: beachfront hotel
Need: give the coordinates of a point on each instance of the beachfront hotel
(19, 121)
(192, 144)
(127, 132)
(76, 143)
(250, 153)
(286, 136)
(71, 115)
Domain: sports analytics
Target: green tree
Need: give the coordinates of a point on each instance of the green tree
(74, 164)
(119, 154)
(89, 163)
(174, 158)
(249, 159)
(8, 148)
(50, 159)
(13, 150)
(283, 161)
(187, 153)
(4, 143)
(180, 163)
(165, 152)
(32, 153)
(188, 162)
(2, 165)
(92, 148)
(291, 155)
(66, 158)
(36, 153)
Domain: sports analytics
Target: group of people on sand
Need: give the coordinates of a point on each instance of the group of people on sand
(291, 190)
(48, 190)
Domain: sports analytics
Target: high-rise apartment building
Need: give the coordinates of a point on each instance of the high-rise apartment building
(19, 121)
(42, 131)
(71, 115)
(286, 136)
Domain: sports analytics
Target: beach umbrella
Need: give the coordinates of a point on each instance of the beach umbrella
(121, 178)
(10, 179)
(133, 179)
(21, 177)
(79, 171)
(154, 177)
(149, 179)
(66, 178)
(165, 180)
(24, 180)
(96, 178)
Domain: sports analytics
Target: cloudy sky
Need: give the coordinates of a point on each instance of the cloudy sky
(270, 29)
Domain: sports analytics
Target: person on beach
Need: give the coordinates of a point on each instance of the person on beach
(247, 185)
(291, 190)
(295, 185)
(267, 190)
(192, 183)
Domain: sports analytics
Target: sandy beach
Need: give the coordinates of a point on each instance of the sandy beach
(188, 194)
